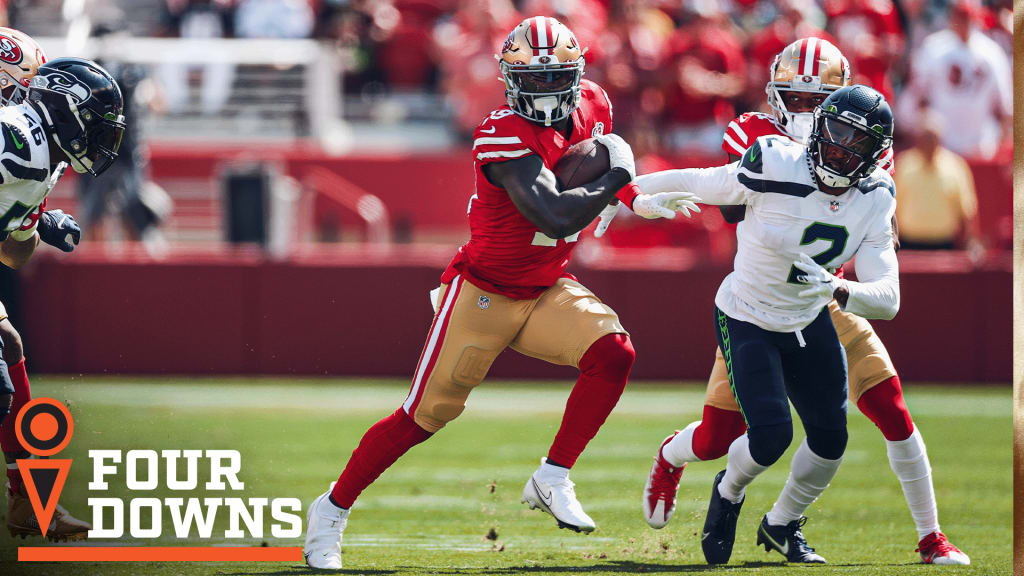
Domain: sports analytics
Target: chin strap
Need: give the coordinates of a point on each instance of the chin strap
(832, 180)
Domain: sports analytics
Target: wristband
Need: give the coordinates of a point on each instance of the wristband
(627, 194)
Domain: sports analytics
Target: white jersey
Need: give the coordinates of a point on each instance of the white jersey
(787, 214)
(25, 175)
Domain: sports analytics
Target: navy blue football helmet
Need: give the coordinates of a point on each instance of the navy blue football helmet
(81, 107)
(852, 130)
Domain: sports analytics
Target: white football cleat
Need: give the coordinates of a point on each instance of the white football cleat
(325, 524)
(557, 496)
(659, 501)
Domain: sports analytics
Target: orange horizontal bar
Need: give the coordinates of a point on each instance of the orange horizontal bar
(158, 554)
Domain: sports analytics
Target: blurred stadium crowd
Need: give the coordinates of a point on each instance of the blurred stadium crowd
(677, 71)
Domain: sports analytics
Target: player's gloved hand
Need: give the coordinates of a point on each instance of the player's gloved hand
(665, 204)
(820, 282)
(620, 155)
(605, 219)
(59, 229)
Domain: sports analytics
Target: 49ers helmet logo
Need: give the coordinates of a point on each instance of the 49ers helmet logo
(10, 52)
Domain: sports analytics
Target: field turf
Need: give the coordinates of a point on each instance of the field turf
(451, 506)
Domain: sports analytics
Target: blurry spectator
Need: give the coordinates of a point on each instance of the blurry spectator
(996, 20)
(273, 19)
(937, 204)
(635, 47)
(124, 190)
(794, 21)
(872, 38)
(965, 77)
(705, 72)
(470, 75)
(197, 19)
(405, 53)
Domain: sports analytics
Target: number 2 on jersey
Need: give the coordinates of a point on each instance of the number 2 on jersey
(835, 235)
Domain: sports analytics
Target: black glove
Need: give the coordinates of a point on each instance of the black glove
(59, 229)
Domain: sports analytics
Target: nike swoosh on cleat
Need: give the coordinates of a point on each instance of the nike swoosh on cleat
(783, 549)
(546, 499)
(705, 536)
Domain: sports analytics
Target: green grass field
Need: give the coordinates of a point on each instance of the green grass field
(451, 506)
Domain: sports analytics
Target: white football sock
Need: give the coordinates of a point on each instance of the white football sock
(680, 450)
(740, 471)
(909, 460)
(809, 475)
(550, 474)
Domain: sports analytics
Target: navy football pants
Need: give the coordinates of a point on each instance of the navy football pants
(769, 369)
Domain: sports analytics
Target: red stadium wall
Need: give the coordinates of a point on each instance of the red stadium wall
(332, 314)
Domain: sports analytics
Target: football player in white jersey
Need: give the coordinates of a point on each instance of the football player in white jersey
(829, 199)
(801, 77)
(64, 111)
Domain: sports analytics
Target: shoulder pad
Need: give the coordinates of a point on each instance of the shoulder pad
(15, 141)
(877, 179)
(753, 173)
(503, 135)
(746, 128)
(596, 105)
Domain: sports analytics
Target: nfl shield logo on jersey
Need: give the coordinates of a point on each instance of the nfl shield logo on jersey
(598, 130)
(834, 206)
(484, 302)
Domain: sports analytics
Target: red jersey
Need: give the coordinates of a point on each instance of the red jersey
(506, 253)
(741, 133)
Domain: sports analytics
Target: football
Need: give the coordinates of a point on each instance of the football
(584, 162)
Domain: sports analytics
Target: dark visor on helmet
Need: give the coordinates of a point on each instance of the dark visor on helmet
(544, 81)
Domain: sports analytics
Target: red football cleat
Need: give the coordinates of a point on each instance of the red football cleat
(661, 488)
(936, 549)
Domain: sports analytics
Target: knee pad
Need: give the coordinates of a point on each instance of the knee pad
(768, 443)
(610, 355)
(825, 442)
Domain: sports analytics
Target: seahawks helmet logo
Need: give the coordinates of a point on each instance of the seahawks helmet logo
(57, 81)
(10, 52)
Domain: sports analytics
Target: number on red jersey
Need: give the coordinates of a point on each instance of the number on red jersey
(500, 137)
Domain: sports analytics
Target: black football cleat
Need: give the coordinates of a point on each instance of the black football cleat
(719, 526)
(787, 540)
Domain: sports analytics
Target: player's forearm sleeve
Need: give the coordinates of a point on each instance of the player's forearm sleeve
(877, 295)
(716, 185)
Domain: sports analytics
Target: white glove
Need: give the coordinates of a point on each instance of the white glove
(820, 282)
(620, 155)
(605, 219)
(665, 204)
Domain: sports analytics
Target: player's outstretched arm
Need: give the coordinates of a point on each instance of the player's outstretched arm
(16, 253)
(534, 191)
(716, 185)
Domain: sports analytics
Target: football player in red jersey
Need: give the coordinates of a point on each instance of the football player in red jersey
(507, 287)
(802, 76)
